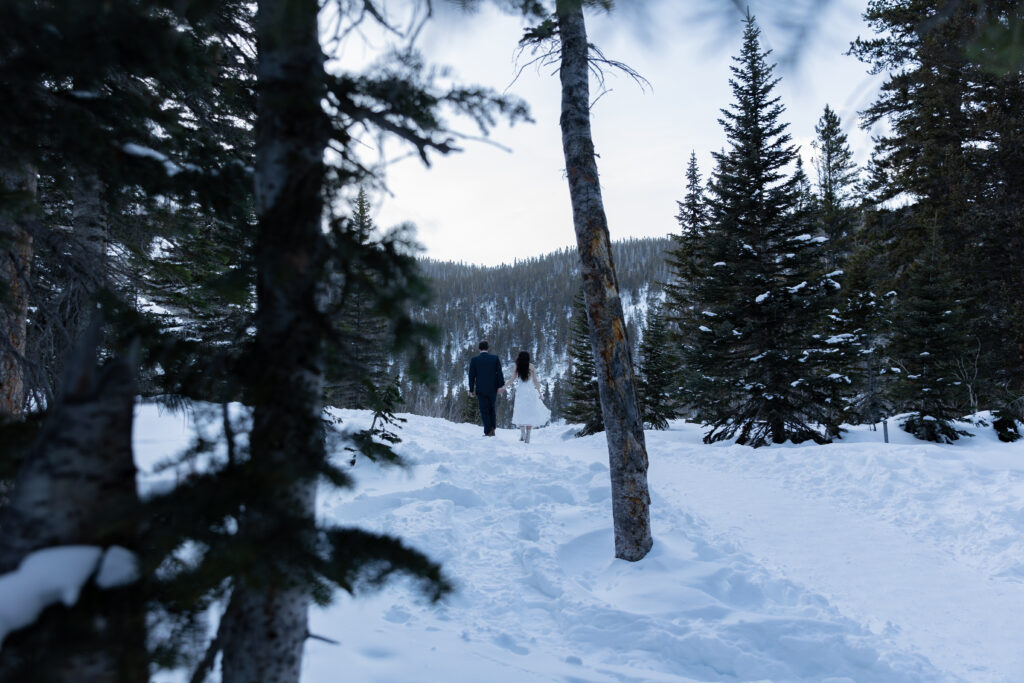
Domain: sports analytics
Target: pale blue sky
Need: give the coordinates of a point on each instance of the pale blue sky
(489, 206)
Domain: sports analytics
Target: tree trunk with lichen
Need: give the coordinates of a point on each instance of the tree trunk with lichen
(627, 452)
(76, 486)
(17, 198)
(265, 625)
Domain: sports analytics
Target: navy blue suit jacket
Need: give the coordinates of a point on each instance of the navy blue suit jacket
(485, 375)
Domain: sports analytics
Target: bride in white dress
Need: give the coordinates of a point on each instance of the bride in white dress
(529, 410)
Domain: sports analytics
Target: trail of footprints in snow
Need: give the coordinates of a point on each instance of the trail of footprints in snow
(540, 580)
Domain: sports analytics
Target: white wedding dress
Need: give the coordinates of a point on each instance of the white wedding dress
(529, 410)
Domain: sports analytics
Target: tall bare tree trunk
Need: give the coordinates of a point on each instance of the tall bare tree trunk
(266, 626)
(77, 486)
(18, 185)
(627, 453)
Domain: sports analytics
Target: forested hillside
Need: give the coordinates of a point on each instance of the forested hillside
(522, 306)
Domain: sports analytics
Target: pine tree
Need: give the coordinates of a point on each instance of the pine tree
(98, 114)
(761, 283)
(557, 403)
(842, 345)
(98, 101)
(837, 176)
(582, 401)
(866, 303)
(134, 149)
(692, 219)
(928, 341)
(469, 408)
(828, 360)
(658, 365)
(263, 628)
(382, 401)
(362, 334)
(684, 270)
(953, 150)
(857, 330)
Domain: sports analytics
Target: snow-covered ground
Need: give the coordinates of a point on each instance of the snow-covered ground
(858, 561)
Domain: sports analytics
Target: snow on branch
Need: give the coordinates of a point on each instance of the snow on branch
(57, 574)
(172, 168)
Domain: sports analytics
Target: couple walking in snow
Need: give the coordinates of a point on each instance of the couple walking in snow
(486, 381)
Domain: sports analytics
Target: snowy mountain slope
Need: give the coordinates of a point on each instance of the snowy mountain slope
(856, 561)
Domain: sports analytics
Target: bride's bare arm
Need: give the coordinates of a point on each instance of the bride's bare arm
(533, 376)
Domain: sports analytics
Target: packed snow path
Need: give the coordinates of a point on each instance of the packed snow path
(851, 562)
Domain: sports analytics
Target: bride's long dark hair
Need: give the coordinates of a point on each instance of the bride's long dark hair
(523, 365)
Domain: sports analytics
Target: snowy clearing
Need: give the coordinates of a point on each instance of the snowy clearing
(857, 561)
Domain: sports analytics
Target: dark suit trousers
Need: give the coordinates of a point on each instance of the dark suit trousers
(487, 411)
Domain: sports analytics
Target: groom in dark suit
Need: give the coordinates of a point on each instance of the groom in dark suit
(486, 381)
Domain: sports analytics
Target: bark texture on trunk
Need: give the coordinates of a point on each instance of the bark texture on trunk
(266, 627)
(19, 187)
(627, 452)
(89, 223)
(77, 486)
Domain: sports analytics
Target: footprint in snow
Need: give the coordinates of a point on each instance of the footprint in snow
(506, 641)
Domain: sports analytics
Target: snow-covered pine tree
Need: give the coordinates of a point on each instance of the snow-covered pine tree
(863, 316)
(658, 372)
(761, 284)
(862, 322)
(383, 400)
(126, 136)
(842, 349)
(826, 360)
(684, 271)
(928, 339)
(582, 401)
(951, 102)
